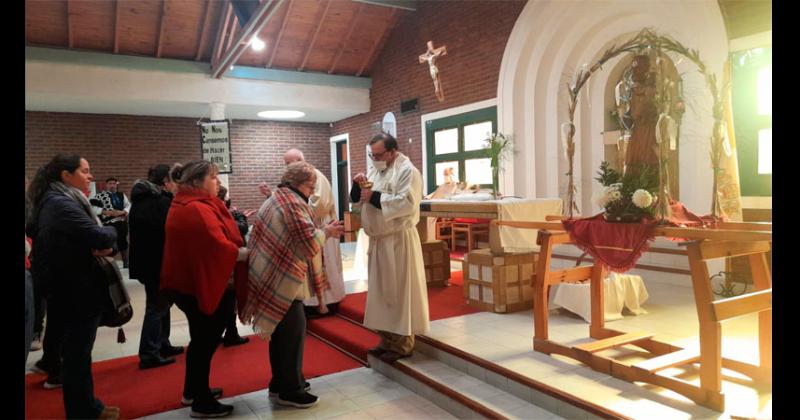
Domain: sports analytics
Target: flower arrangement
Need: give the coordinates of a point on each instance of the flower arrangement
(498, 147)
(629, 197)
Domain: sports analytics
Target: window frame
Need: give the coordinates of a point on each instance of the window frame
(458, 121)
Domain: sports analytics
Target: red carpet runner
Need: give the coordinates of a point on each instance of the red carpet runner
(344, 331)
(238, 370)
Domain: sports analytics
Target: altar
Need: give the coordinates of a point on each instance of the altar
(501, 239)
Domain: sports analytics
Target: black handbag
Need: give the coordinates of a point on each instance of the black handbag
(118, 303)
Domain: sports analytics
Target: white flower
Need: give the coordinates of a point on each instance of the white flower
(601, 198)
(642, 199)
(606, 196)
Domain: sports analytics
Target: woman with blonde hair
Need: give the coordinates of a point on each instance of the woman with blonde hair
(285, 267)
(201, 248)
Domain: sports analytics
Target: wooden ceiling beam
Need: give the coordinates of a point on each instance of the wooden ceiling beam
(314, 38)
(116, 26)
(222, 28)
(280, 33)
(162, 27)
(201, 42)
(389, 24)
(233, 33)
(261, 16)
(347, 38)
(70, 29)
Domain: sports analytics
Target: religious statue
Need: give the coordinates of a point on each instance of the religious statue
(655, 95)
(430, 57)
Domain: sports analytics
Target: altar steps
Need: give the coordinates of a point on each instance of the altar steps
(458, 393)
(470, 387)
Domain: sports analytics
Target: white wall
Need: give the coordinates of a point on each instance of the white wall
(550, 41)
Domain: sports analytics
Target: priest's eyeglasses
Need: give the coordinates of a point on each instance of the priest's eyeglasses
(374, 156)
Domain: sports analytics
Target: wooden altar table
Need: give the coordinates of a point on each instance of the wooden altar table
(727, 240)
(509, 209)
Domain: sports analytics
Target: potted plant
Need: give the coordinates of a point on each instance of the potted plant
(498, 147)
(627, 198)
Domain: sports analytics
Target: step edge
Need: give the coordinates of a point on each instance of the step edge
(587, 406)
(471, 396)
(458, 398)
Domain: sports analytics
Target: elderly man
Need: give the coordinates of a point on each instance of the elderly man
(321, 201)
(397, 299)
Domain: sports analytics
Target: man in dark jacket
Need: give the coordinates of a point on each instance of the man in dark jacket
(151, 200)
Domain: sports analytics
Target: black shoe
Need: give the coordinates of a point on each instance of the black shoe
(302, 400)
(154, 363)
(376, 351)
(234, 341)
(210, 409)
(168, 351)
(53, 382)
(40, 367)
(215, 393)
(273, 396)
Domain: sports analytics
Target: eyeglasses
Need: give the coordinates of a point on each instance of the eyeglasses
(374, 156)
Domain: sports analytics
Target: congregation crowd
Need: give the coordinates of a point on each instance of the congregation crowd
(179, 236)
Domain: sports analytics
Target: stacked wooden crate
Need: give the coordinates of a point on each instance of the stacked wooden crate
(436, 257)
(499, 282)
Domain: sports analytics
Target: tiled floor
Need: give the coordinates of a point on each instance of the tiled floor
(355, 394)
(504, 339)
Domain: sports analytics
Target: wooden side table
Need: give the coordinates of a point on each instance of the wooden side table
(753, 240)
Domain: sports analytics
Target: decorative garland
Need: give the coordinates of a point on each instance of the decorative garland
(643, 40)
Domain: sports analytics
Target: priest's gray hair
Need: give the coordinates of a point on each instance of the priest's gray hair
(389, 142)
(298, 173)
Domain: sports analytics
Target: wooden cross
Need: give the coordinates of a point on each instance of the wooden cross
(430, 57)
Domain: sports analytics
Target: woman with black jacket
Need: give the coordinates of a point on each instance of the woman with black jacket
(66, 238)
(150, 201)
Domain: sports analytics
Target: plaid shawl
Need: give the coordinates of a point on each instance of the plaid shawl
(285, 251)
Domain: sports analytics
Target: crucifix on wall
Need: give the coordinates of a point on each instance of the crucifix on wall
(430, 57)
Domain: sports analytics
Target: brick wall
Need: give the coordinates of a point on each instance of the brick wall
(126, 146)
(475, 33)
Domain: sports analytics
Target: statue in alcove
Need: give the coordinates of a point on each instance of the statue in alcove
(655, 93)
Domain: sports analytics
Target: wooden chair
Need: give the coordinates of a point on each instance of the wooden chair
(471, 228)
(444, 230)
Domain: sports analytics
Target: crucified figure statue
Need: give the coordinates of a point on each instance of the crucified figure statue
(430, 57)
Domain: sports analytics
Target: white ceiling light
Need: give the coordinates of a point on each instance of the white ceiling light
(283, 114)
(257, 44)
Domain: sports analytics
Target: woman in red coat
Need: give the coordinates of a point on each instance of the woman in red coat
(201, 248)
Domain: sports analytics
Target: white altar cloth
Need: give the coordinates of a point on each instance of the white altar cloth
(621, 291)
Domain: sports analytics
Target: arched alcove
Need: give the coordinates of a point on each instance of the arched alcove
(549, 42)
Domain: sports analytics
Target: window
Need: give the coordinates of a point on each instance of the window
(751, 72)
(458, 142)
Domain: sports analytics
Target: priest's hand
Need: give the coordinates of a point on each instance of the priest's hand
(264, 189)
(334, 229)
(359, 178)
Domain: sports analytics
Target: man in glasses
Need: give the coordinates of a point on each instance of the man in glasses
(397, 297)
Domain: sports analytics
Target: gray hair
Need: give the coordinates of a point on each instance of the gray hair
(298, 173)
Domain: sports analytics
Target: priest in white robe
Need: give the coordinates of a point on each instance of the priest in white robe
(324, 211)
(397, 296)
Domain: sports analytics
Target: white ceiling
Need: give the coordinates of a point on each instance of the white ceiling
(82, 87)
